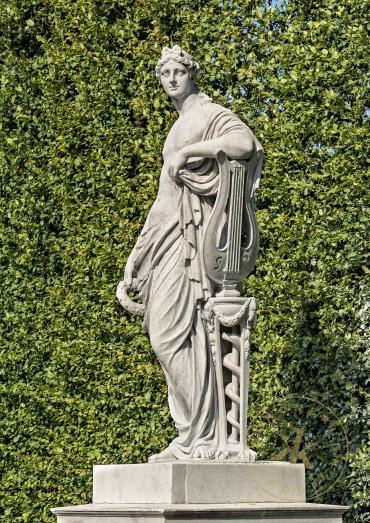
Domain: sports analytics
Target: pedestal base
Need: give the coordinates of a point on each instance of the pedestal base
(204, 513)
(197, 482)
(263, 492)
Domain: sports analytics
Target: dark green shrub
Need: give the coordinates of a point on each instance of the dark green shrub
(83, 121)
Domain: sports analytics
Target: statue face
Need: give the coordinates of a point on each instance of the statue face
(176, 80)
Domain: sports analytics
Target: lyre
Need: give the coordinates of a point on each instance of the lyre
(233, 217)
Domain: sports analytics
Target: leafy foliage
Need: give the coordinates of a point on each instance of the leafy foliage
(83, 120)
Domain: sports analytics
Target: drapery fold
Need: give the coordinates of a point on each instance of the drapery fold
(173, 286)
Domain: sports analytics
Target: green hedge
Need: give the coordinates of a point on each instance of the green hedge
(83, 121)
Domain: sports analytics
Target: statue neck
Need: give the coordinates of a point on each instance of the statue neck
(184, 104)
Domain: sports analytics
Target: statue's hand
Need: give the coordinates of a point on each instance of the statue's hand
(177, 161)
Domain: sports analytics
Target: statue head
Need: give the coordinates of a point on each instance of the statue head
(178, 55)
(177, 71)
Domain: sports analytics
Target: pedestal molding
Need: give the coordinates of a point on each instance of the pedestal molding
(262, 510)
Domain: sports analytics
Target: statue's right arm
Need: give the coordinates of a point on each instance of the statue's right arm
(129, 276)
(236, 144)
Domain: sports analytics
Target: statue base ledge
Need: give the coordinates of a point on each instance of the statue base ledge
(203, 513)
(200, 482)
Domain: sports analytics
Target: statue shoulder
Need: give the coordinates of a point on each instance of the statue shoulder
(214, 110)
(209, 106)
(221, 116)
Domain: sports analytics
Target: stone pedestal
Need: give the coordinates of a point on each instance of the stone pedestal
(199, 483)
(261, 492)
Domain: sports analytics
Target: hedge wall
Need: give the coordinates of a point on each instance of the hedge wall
(83, 120)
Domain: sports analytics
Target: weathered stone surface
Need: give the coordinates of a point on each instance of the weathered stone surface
(253, 513)
(199, 483)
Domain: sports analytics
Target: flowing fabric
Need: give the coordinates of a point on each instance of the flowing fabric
(173, 287)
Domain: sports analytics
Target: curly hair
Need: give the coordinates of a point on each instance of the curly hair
(180, 56)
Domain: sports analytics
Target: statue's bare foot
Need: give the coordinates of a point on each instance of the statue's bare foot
(222, 455)
(205, 452)
(166, 455)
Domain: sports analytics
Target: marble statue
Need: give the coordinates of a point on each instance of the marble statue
(199, 240)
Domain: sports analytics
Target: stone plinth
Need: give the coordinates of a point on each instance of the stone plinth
(204, 513)
(260, 482)
(263, 492)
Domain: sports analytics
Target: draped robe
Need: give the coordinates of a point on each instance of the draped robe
(172, 281)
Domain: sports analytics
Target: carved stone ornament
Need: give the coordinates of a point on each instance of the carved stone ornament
(199, 241)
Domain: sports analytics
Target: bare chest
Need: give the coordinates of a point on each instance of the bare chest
(186, 130)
